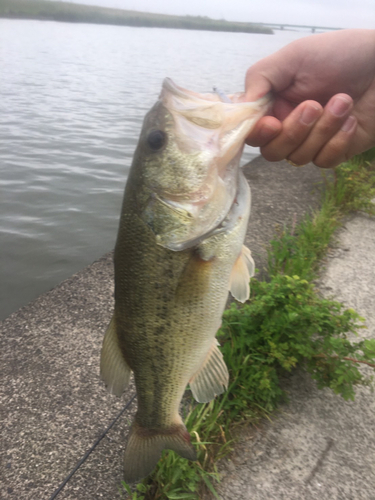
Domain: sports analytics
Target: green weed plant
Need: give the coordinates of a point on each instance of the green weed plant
(285, 324)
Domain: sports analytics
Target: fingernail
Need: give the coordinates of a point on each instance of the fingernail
(309, 115)
(339, 106)
(349, 124)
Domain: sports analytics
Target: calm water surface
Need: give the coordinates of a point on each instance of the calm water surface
(72, 100)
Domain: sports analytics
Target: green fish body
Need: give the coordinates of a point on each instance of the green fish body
(178, 252)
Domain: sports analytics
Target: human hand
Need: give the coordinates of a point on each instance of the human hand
(324, 89)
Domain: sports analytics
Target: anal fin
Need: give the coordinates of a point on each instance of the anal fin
(212, 378)
(113, 368)
(243, 269)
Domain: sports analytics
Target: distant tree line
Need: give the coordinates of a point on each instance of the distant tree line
(77, 13)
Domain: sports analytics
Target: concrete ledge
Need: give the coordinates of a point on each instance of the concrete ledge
(52, 403)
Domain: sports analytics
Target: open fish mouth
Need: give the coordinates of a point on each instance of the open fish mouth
(203, 122)
(206, 138)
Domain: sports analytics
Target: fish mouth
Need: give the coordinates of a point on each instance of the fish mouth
(211, 132)
(203, 122)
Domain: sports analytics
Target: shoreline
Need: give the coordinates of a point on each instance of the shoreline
(41, 10)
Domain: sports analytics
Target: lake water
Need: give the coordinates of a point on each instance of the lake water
(72, 100)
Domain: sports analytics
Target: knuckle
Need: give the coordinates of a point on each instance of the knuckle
(325, 163)
(271, 154)
(291, 135)
(328, 159)
(332, 154)
(328, 128)
(298, 159)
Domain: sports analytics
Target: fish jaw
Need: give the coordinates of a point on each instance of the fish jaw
(190, 185)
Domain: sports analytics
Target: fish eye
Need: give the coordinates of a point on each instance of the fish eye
(156, 139)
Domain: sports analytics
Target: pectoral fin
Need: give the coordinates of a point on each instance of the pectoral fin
(113, 368)
(212, 378)
(243, 269)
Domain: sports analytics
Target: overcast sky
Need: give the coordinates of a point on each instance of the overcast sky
(332, 13)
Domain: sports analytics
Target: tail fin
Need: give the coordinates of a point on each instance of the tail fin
(145, 446)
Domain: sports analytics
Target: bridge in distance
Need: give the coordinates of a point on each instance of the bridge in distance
(279, 26)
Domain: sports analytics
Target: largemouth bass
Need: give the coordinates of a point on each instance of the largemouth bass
(179, 250)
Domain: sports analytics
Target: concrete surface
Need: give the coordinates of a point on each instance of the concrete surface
(53, 405)
(318, 446)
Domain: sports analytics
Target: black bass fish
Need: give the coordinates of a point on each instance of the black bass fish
(179, 250)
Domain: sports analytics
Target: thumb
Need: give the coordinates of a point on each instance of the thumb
(270, 74)
(257, 85)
